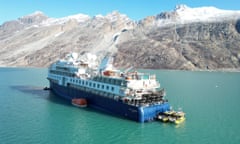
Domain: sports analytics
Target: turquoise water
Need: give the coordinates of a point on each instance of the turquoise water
(29, 115)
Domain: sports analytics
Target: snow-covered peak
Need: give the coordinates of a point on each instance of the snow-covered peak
(36, 13)
(183, 14)
(187, 14)
(34, 18)
(115, 15)
(181, 7)
(99, 16)
(54, 21)
(78, 17)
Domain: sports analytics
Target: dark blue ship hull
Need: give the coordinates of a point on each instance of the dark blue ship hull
(109, 105)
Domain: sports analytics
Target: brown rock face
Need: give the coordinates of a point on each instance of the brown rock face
(189, 46)
(161, 41)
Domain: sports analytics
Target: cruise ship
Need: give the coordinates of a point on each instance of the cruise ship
(124, 93)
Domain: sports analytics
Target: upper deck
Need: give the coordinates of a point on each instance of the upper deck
(106, 80)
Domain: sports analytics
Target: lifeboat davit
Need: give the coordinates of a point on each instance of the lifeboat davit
(79, 102)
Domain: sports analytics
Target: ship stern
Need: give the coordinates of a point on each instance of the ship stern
(149, 113)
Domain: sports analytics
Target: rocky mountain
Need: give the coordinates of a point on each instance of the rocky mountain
(185, 38)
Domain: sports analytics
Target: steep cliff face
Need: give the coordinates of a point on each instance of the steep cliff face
(43, 43)
(9, 28)
(186, 38)
(198, 45)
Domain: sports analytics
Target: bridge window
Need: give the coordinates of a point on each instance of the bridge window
(112, 88)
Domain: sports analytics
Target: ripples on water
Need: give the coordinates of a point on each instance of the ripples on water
(30, 115)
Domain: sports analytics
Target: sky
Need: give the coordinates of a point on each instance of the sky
(134, 9)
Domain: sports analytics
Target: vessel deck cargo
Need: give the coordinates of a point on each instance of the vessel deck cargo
(128, 94)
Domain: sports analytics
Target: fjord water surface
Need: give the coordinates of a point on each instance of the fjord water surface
(30, 115)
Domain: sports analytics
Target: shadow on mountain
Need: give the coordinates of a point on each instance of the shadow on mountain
(238, 26)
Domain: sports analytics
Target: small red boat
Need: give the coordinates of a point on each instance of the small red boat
(79, 102)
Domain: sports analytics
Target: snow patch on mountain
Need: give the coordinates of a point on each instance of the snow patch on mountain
(79, 17)
(56, 21)
(58, 34)
(115, 15)
(99, 16)
(187, 14)
(36, 13)
(183, 14)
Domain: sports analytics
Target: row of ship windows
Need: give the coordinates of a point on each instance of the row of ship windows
(56, 77)
(92, 84)
(62, 73)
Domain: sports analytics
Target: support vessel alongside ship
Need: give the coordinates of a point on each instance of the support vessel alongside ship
(132, 95)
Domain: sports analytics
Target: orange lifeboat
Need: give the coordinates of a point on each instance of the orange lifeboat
(79, 102)
(108, 73)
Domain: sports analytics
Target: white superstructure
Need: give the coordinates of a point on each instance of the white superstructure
(85, 73)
